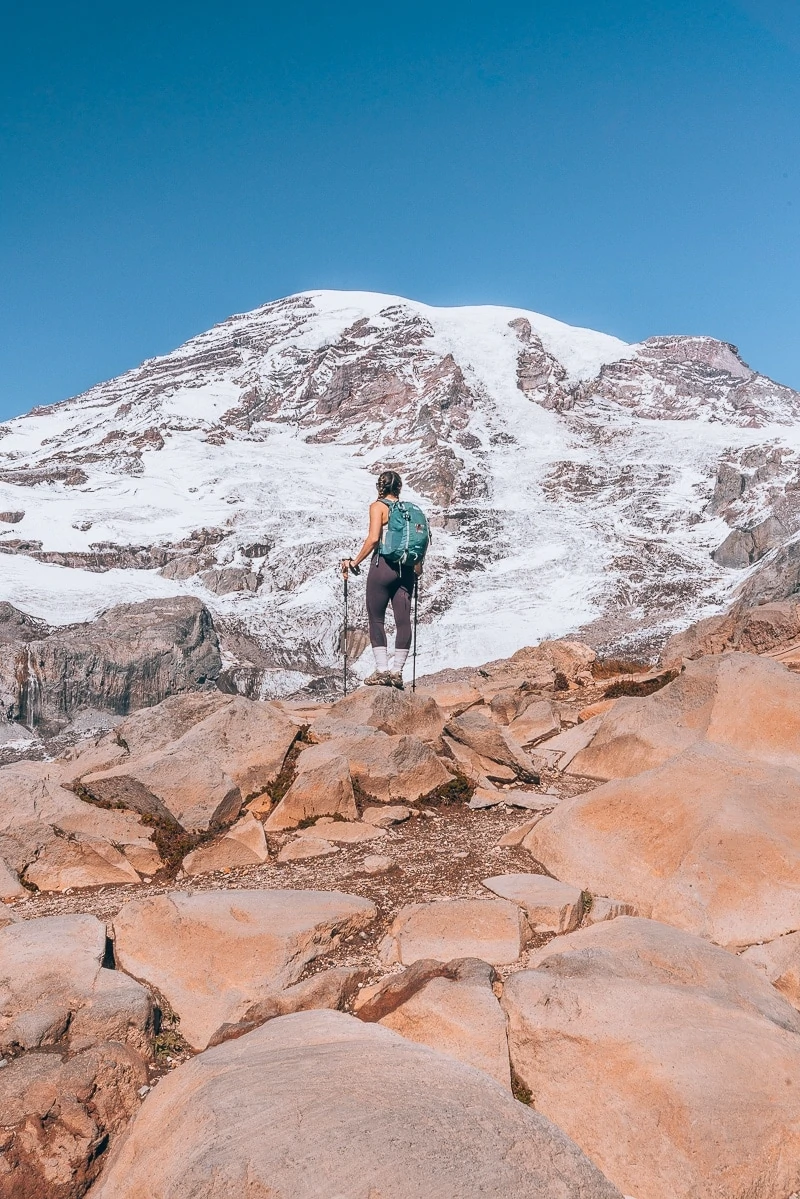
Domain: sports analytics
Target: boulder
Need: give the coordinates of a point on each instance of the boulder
(144, 857)
(387, 768)
(213, 954)
(744, 702)
(132, 656)
(322, 790)
(306, 847)
(515, 836)
(385, 817)
(392, 711)
(376, 863)
(599, 708)
(652, 953)
(452, 697)
(60, 1116)
(551, 906)
(204, 777)
(62, 841)
(481, 771)
(268, 1114)
(680, 1077)
(55, 990)
(780, 961)
(459, 1017)
(491, 929)
(604, 908)
(159, 727)
(69, 862)
(342, 832)
(538, 721)
(332, 989)
(479, 732)
(561, 750)
(486, 797)
(10, 886)
(710, 842)
(244, 844)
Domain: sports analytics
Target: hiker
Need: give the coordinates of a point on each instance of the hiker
(398, 538)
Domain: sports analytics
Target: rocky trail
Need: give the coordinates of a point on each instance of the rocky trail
(531, 930)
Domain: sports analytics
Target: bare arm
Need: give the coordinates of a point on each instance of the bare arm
(377, 512)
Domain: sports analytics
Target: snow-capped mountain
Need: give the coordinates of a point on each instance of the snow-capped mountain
(574, 482)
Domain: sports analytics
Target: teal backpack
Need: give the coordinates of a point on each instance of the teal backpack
(406, 535)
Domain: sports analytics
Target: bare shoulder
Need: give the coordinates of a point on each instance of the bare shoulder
(377, 507)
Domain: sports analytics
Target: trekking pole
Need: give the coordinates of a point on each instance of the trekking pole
(344, 635)
(414, 652)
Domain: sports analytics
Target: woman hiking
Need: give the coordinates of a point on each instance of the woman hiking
(396, 561)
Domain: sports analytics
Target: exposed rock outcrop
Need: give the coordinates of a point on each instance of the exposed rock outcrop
(131, 657)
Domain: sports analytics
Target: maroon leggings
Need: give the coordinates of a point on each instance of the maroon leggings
(387, 584)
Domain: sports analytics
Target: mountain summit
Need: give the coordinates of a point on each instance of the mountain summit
(574, 482)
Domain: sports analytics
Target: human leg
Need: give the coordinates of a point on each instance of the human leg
(380, 583)
(401, 606)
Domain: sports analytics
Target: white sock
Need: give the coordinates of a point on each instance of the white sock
(381, 657)
(400, 656)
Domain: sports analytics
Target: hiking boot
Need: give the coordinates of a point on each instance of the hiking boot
(397, 680)
(381, 678)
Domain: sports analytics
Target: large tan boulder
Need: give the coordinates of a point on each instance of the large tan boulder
(739, 701)
(779, 960)
(550, 906)
(387, 768)
(453, 696)
(306, 847)
(54, 989)
(60, 1116)
(214, 954)
(204, 776)
(322, 790)
(244, 844)
(537, 721)
(336, 989)
(342, 832)
(650, 952)
(150, 729)
(491, 929)
(321, 1104)
(481, 734)
(70, 862)
(10, 886)
(53, 839)
(459, 1017)
(665, 1060)
(709, 841)
(392, 711)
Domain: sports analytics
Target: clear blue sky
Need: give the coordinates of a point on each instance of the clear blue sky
(630, 166)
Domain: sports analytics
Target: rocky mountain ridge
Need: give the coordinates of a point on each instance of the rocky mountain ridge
(574, 482)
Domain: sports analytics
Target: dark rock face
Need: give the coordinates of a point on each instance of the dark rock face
(133, 656)
(743, 547)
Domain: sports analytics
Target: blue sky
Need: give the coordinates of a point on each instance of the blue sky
(633, 167)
